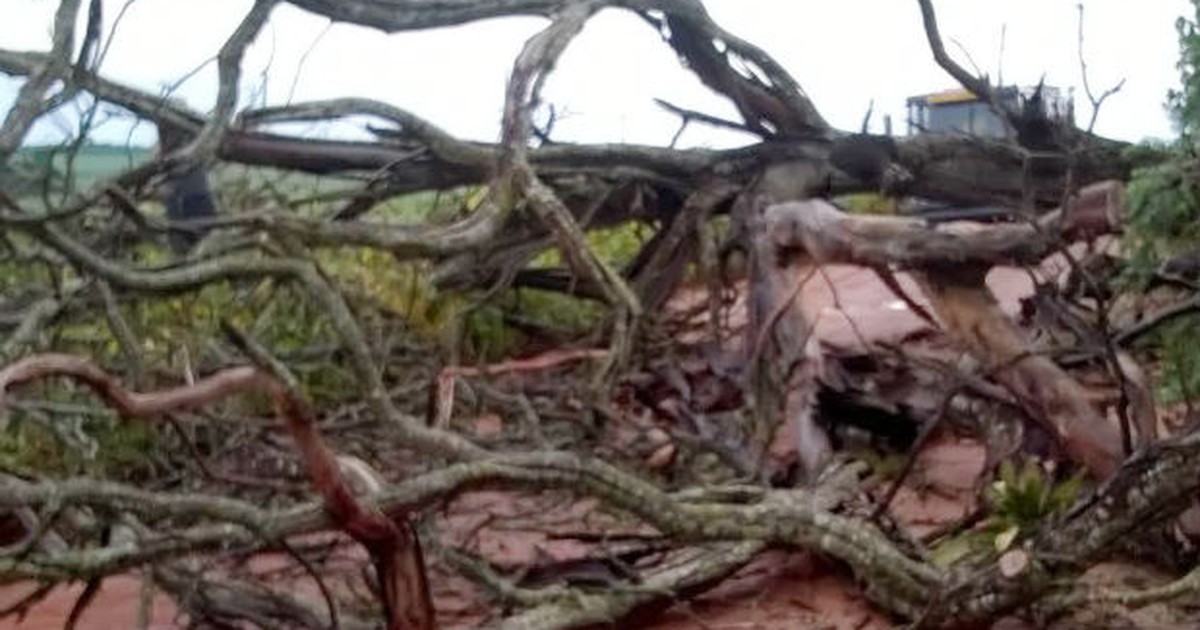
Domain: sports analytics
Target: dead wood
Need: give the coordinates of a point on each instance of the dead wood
(952, 261)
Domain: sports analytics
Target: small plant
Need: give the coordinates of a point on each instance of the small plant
(1021, 500)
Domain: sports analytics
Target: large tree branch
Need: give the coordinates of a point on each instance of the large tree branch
(828, 233)
(516, 177)
(951, 261)
(773, 106)
(958, 169)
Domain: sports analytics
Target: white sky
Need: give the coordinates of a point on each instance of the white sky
(844, 53)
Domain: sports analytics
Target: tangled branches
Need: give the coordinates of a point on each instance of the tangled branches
(320, 278)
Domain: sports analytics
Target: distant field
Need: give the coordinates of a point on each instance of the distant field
(90, 164)
(93, 163)
(238, 187)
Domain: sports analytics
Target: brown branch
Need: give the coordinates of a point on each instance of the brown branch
(976, 85)
(952, 261)
(391, 542)
(688, 115)
(443, 384)
(972, 316)
(961, 169)
(89, 50)
(772, 105)
(422, 14)
(1151, 488)
(662, 263)
(227, 601)
(517, 180)
(234, 266)
(412, 127)
(1156, 319)
(829, 234)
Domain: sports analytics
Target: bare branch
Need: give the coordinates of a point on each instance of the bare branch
(979, 86)
(29, 104)
(1095, 101)
(229, 72)
(412, 127)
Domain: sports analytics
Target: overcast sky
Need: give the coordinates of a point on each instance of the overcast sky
(844, 53)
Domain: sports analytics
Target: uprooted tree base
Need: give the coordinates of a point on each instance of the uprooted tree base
(696, 495)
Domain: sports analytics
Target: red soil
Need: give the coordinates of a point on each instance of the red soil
(850, 306)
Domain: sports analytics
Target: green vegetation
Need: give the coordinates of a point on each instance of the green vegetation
(91, 442)
(1165, 198)
(1185, 102)
(174, 334)
(1021, 500)
(1164, 202)
(1165, 217)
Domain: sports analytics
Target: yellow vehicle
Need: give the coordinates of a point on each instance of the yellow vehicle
(960, 111)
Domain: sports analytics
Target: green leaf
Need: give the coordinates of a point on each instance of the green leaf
(954, 549)
(1005, 539)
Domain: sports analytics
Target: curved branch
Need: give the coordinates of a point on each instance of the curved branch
(1150, 488)
(393, 16)
(517, 177)
(442, 144)
(391, 542)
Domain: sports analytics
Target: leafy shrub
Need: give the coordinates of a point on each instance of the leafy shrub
(1165, 216)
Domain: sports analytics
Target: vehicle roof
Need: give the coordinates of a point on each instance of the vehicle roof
(955, 95)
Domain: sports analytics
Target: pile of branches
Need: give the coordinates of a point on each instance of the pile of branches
(541, 194)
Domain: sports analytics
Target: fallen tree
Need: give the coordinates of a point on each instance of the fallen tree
(539, 195)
